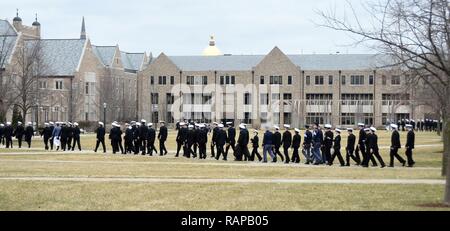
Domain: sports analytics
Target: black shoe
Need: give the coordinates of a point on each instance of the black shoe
(391, 166)
(404, 163)
(383, 166)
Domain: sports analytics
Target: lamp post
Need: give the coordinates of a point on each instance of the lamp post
(104, 113)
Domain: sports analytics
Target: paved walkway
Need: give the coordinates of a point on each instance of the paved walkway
(204, 163)
(241, 181)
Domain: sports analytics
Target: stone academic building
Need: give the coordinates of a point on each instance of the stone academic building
(340, 89)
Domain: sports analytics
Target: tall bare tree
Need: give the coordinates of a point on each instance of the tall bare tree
(416, 34)
(29, 65)
(7, 42)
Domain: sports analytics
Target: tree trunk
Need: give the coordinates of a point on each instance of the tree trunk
(446, 134)
(446, 142)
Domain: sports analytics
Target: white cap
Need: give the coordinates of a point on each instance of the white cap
(408, 126)
(150, 124)
(191, 126)
(138, 124)
(29, 123)
(182, 123)
(2, 125)
(394, 126)
(101, 123)
(276, 127)
(287, 126)
(117, 125)
(229, 123)
(242, 126)
(297, 130)
(373, 129)
(255, 131)
(76, 124)
(19, 122)
(8, 123)
(143, 121)
(328, 126)
(215, 123)
(366, 129)
(220, 125)
(337, 130)
(51, 123)
(162, 122)
(201, 125)
(361, 124)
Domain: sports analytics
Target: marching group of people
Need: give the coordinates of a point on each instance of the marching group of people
(320, 146)
(424, 125)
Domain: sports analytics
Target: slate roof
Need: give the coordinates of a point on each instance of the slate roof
(105, 54)
(8, 38)
(61, 56)
(305, 62)
(6, 29)
(132, 61)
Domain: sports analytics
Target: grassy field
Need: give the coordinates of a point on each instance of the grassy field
(34, 179)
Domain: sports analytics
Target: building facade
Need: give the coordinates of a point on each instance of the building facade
(276, 88)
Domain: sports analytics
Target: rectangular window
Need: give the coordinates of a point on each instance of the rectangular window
(261, 80)
(205, 80)
(287, 116)
(343, 80)
(59, 85)
(170, 98)
(395, 80)
(247, 118)
(319, 80)
(43, 84)
(227, 80)
(86, 88)
(320, 118)
(330, 80)
(383, 80)
(160, 81)
(287, 97)
(371, 79)
(154, 98)
(357, 80)
(222, 82)
(308, 80)
(164, 80)
(276, 80)
(289, 80)
(247, 99)
(319, 99)
(357, 99)
(172, 80)
(233, 80)
(264, 99)
(152, 80)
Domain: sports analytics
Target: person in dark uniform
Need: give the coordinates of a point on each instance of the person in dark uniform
(19, 132)
(255, 145)
(8, 132)
(268, 146)
(135, 131)
(180, 138)
(143, 136)
(362, 145)
(190, 140)
(221, 140)
(351, 140)
(76, 136)
(277, 142)
(296, 141)
(69, 136)
(2, 134)
(151, 137)
(100, 131)
(286, 141)
(232, 142)
(114, 137)
(29, 133)
(372, 146)
(410, 140)
(317, 144)
(395, 145)
(64, 136)
(162, 137)
(337, 149)
(215, 131)
(177, 126)
(327, 144)
(242, 143)
(52, 127)
(202, 139)
(46, 134)
(307, 145)
(128, 139)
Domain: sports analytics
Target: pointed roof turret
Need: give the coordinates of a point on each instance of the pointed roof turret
(83, 30)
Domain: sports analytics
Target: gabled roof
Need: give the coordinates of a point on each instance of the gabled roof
(105, 54)
(8, 40)
(305, 62)
(61, 56)
(132, 61)
(6, 29)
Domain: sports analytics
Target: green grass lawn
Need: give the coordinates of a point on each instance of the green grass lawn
(32, 194)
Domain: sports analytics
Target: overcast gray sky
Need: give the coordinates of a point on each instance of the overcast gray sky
(182, 27)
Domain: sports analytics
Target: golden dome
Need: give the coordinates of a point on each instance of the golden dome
(211, 50)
